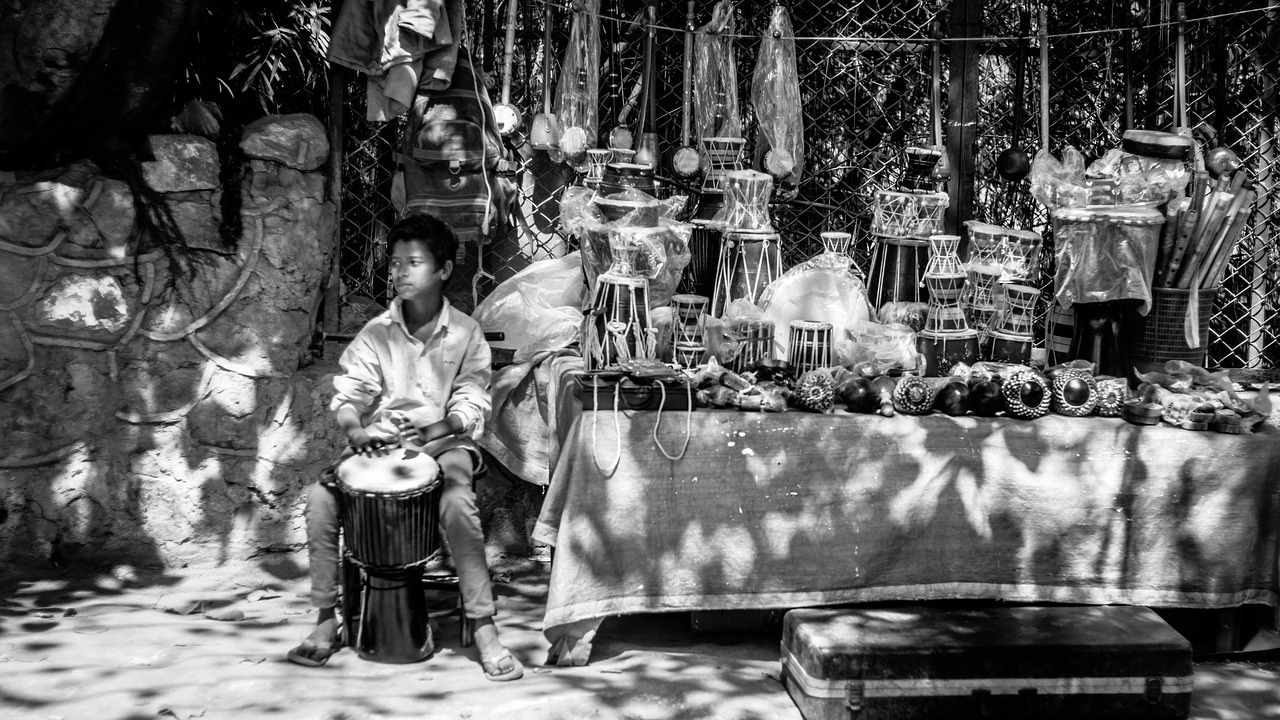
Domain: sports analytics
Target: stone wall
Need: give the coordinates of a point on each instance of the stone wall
(155, 422)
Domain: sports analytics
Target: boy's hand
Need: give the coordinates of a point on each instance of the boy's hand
(365, 445)
(410, 433)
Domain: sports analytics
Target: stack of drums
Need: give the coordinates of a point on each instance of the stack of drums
(902, 224)
(753, 338)
(686, 328)
(749, 261)
(986, 243)
(810, 346)
(947, 338)
(1015, 331)
(721, 155)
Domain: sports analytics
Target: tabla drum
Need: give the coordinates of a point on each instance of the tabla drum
(749, 261)
(686, 315)
(688, 354)
(389, 508)
(940, 352)
(753, 339)
(1010, 348)
(986, 243)
(810, 346)
(618, 327)
(897, 270)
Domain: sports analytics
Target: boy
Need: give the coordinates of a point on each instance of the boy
(417, 374)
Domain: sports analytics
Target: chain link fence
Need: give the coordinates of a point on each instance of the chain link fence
(865, 76)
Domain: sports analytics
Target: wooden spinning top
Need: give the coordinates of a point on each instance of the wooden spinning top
(1075, 393)
(1026, 395)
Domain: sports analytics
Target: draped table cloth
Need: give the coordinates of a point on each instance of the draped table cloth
(798, 509)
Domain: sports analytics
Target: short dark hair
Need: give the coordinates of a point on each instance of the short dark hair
(440, 239)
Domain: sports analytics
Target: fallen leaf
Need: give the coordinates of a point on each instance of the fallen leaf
(69, 612)
(253, 660)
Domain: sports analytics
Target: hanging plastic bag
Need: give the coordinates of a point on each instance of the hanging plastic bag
(1059, 183)
(822, 288)
(775, 95)
(715, 76)
(578, 95)
(537, 309)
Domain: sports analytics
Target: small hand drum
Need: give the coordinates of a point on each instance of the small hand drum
(722, 154)
(810, 345)
(746, 200)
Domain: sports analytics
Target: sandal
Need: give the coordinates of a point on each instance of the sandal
(309, 655)
(493, 668)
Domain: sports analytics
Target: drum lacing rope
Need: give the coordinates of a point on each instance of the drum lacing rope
(688, 420)
(617, 429)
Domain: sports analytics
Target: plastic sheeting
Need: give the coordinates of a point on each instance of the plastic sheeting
(578, 95)
(775, 95)
(538, 309)
(1106, 254)
(715, 76)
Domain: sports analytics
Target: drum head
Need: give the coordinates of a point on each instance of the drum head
(399, 471)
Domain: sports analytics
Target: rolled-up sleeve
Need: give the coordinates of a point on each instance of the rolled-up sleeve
(469, 399)
(361, 379)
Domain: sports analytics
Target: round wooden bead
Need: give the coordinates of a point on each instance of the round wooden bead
(1075, 394)
(1026, 395)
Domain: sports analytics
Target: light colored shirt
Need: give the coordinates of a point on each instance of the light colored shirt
(389, 374)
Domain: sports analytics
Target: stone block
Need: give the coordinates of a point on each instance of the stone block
(182, 163)
(297, 140)
(34, 210)
(93, 305)
(198, 215)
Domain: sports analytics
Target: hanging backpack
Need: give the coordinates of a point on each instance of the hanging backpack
(452, 156)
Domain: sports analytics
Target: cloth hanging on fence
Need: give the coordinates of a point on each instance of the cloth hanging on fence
(404, 46)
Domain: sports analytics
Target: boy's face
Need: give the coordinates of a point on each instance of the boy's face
(414, 271)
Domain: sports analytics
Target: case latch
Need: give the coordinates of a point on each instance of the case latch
(1155, 688)
(853, 696)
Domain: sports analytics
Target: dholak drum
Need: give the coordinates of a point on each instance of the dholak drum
(389, 507)
(897, 270)
(940, 352)
(753, 340)
(810, 346)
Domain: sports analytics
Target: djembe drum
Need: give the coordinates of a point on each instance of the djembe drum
(944, 258)
(749, 261)
(618, 327)
(810, 346)
(722, 155)
(389, 509)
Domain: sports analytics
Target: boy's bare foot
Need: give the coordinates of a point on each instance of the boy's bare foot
(322, 643)
(498, 662)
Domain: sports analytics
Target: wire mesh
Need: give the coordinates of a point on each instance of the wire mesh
(865, 77)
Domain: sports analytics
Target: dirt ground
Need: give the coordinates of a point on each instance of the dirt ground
(114, 645)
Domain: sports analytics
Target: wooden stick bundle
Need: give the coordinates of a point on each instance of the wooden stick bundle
(1201, 232)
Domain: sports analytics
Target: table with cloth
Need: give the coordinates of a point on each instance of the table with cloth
(798, 509)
